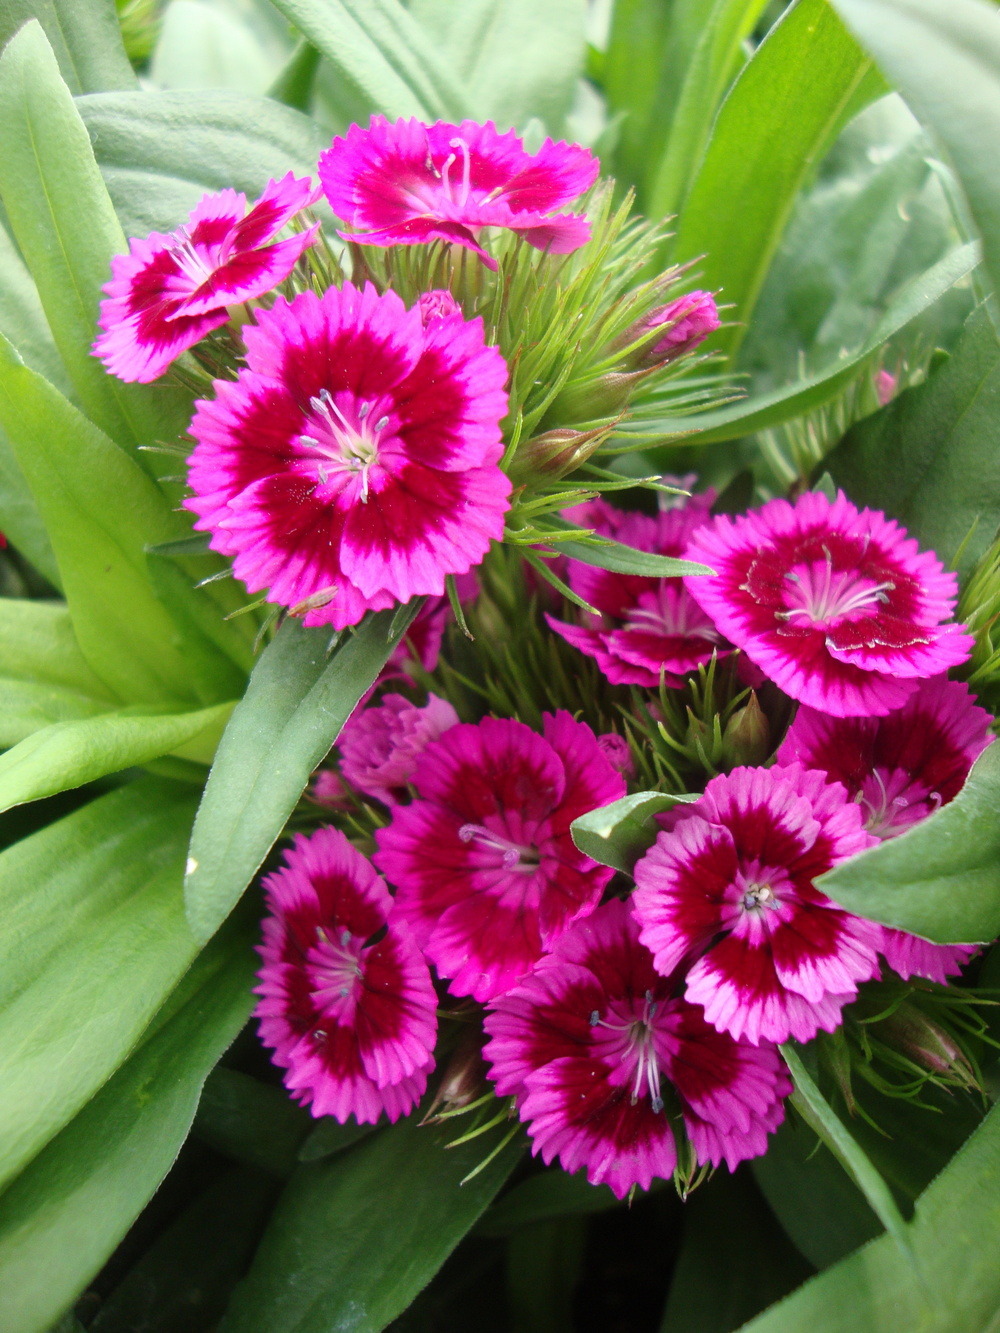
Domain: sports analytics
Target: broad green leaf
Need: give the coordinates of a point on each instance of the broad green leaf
(715, 60)
(64, 222)
(931, 458)
(605, 553)
(544, 1197)
(770, 131)
(618, 834)
(203, 46)
(296, 80)
(380, 49)
(954, 1237)
(329, 1137)
(94, 937)
(84, 35)
(159, 152)
(941, 878)
(517, 59)
(254, 1123)
(68, 754)
(761, 411)
(100, 509)
(297, 700)
(66, 1212)
(353, 1240)
(22, 319)
(945, 60)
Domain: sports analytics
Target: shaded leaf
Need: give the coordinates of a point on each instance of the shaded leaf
(618, 834)
(254, 1123)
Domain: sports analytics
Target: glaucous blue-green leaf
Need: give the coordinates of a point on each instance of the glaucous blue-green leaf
(159, 152)
(209, 46)
(67, 754)
(618, 834)
(945, 60)
(770, 131)
(931, 457)
(952, 1282)
(84, 36)
(941, 878)
(94, 938)
(65, 225)
(63, 1215)
(353, 1240)
(100, 510)
(298, 698)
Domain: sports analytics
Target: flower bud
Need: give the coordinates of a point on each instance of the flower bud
(686, 322)
(908, 1030)
(435, 305)
(885, 387)
(463, 1080)
(747, 736)
(601, 397)
(557, 452)
(616, 750)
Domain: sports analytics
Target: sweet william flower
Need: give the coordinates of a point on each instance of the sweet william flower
(172, 289)
(835, 604)
(347, 1004)
(728, 894)
(405, 183)
(354, 462)
(485, 870)
(607, 1063)
(380, 746)
(900, 769)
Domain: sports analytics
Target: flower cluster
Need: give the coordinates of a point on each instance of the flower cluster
(387, 409)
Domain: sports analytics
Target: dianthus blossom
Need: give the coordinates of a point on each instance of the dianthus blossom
(380, 745)
(354, 462)
(900, 769)
(836, 605)
(171, 289)
(607, 1062)
(648, 630)
(347, 1003)
(728, 893)
(686, 322)
(405, 183)
(485, 869)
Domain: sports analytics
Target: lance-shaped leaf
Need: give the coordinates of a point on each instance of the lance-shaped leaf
(85, 37)
(66, 1212)
(353, 1240)
(618, 834)
(941, 878)
(298, 699)
(606, 553)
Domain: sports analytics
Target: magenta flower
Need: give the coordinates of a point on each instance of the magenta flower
(728, 893)
(407, 183)
(648, 630)
(900, 769)
(687, 321)
(607, 1063)
(354, 462)
(485, 869)
(170, 290)
(380, 746)
(347, 1003)
(835, 605)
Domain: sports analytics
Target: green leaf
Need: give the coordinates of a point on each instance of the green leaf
(618, 834)
(353, 1240)
(206, 46)
(545, 1197)
(159, 152)
(384, 53)
(941, 878)
(931, 458)
(945, 60)
(68, 754)
(63, 1216)
(771, 409)
(254, 1123)
(94, 937)
(953, 1237)
(330, 1137)
(823, 1120)
(297, 700)
(770, 131)
(605, 553)
(100, 510)
(84, 35)
(65, 225)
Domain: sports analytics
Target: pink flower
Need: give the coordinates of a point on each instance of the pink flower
(483, 862)
(687, 322)
(408, 183)
(170, 290)
(381, 745)
(837, 606)
(728, 893)
(353, 463)
(900, 769)
(604, 1060)
(648, 630)
(352, 1021)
